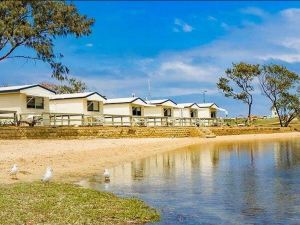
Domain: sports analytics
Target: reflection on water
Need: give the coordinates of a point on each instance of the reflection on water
(241, 183)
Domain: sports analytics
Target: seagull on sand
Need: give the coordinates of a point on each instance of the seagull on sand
(48, 175)
(106, 175)
(14, 171)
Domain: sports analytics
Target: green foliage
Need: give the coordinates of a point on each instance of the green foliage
(72, 86)
(35, 24)
(39, 203)
(238, 83)
(279, 85)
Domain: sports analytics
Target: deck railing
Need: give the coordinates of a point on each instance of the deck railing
(69, 119)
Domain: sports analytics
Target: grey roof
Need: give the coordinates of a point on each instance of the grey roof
(75, 95)
(21, 87)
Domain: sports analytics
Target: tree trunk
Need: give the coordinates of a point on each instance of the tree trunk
(289, 120)
(279, 116)
(249, 113)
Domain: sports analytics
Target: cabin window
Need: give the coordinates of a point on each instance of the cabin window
(136, 111)
(167, 112)
(213, 115)
(93, 106)
(193, 113)
(35, 102)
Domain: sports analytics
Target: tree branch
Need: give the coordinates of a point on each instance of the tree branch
(24, 57)
(10, 51)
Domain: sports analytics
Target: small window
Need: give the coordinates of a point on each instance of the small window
(136, 111)
(213, 115)
(35, 102)
(167, 112)
(93, 106)
(193, 113)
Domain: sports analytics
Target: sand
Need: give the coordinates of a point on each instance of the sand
(75, 159)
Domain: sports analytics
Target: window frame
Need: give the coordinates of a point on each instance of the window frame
(93, 104)
(136, 107)
(167, 110)
(213, 114)
(34, 104)
(194, 112)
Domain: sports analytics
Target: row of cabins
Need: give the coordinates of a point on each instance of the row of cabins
(28, 101)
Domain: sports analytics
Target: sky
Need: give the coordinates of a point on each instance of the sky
(180, 48)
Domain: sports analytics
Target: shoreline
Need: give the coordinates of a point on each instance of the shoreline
(75, 159)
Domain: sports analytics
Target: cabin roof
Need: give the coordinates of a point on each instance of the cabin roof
(22, 87)
(207, 105)
(187, 105)
(74, 95)
(160, 101)
(125, 100)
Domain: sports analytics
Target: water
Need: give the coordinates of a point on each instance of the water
(235, 183)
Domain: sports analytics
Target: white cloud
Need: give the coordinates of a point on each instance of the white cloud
(187, 72)
(182, 71)
(175, 73)
(89, 45)
(254, 11)
(276, 38)
(224, 25)
(212, 18)
(180, 25)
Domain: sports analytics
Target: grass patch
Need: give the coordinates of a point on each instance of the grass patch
(270, 122)
(55, 203)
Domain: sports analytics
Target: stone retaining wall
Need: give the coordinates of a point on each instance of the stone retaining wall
(96, 132)
(220, 131)
(127, 132)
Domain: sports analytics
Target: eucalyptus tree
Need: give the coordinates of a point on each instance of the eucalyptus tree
(71, 85)
(35, 24)
(280, 86)
(238, 83)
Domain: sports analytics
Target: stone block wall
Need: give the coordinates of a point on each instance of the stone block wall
(219, 131)
(97, 132)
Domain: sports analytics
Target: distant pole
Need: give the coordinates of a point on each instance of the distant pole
(149, 89)
(203, 93)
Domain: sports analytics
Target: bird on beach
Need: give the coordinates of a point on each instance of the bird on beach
(14, 170)
(106, 175)
(48, 175)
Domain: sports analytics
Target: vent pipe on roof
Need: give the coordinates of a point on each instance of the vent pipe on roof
(133, 95)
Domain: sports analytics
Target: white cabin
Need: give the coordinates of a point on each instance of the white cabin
(274, 113)
(207, 110)
(163, 108)
(125, 111)
(132, 106)
(25, 100)
(187, 110)
(89, 104)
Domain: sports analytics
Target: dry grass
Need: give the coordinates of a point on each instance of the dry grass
(37, 203)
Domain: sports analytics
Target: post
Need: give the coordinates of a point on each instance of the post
(82, 119)
(15, 118)
(69, 120)
(121, 120)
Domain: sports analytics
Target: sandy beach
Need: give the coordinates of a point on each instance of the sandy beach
(73, 159)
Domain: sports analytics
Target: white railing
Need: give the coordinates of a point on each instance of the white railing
(69, 119)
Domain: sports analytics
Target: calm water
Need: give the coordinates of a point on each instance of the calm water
(238, 183)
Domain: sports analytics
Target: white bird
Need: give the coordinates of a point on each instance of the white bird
(48, 175)
(106, 175)
(14, 170)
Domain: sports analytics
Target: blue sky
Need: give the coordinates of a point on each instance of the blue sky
(181, 47)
